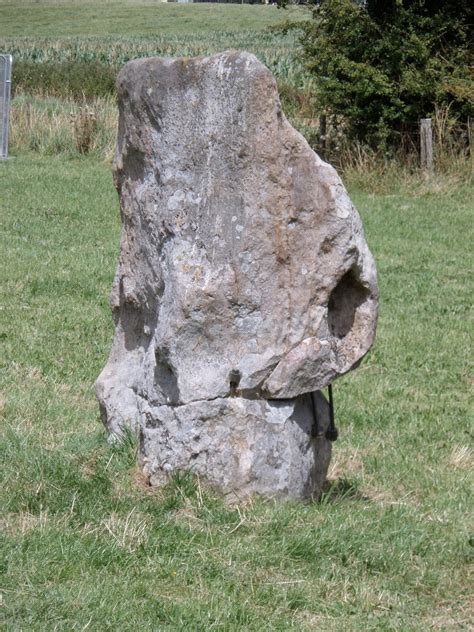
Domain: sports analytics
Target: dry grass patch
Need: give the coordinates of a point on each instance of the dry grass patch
(449, 616)
(51, 126)
(461, 457)
(128, 532)
(346, 462)
(23, 522)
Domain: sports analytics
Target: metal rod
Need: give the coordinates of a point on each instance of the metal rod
(331, 433)
(316, 431)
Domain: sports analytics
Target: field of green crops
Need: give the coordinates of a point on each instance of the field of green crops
(112, 33)
(275, 50)
(67, 54)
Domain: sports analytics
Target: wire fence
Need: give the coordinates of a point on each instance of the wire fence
(328, 136)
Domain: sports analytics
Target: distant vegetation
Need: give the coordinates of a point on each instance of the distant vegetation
(87, 66)
(335, 61)
(381, 64)
(57, 71)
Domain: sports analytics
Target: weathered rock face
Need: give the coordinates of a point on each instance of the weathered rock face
(244, 277)
(241, 446)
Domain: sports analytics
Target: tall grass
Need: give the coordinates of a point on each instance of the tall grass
(61, 126)
(50, 125)
(277, 51)
(79, 69)
(55, 70)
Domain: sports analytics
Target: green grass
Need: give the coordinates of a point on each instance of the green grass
(87, 546)
(134, 17)
(70, 49)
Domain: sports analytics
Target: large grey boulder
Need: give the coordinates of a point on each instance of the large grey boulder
(244, 278)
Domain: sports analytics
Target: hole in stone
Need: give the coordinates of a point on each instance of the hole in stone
(165, 380)
(346, 297)
(234, 381)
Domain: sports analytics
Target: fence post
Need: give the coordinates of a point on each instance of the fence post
(470, 139)
(426, 145)
(5, 91)
(322, 134)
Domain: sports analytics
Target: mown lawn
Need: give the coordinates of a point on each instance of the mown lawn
(86, 545)
(65, 18)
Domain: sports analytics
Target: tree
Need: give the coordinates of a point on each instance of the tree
(383, 62)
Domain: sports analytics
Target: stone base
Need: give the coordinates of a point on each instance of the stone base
(240, 446)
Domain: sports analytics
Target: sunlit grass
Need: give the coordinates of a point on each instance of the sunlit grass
(68, 18)
(87, 543)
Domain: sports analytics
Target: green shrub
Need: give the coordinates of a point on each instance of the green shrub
(380, 64)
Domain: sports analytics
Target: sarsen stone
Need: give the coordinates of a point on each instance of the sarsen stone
(244, 277)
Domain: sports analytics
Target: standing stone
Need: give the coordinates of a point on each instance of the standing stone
(244, 281)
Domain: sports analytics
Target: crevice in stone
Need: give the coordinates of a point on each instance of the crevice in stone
(234, 381)
(155, 404)
(165, 380)
(135, 322)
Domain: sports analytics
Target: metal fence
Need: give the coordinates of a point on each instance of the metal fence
(5, 85)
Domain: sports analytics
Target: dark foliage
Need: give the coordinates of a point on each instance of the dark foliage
(385, 62)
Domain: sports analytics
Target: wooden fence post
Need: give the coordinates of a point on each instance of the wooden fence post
(426, 145)
(470, 139)
(322, 136)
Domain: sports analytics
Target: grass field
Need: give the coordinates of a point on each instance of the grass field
(67, 52)
(114, 31)
(66, 18)
(85, 544)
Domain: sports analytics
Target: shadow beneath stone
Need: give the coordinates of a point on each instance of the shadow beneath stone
(341, 489)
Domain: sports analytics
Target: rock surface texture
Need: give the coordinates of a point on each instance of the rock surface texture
(244, 281)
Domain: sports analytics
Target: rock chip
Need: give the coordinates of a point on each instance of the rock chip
(244, 276)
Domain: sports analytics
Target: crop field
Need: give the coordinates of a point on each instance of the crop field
(67, 54)
(86, 545)
(65, 18)
(113, 32)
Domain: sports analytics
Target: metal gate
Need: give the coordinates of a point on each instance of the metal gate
(5, 85)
